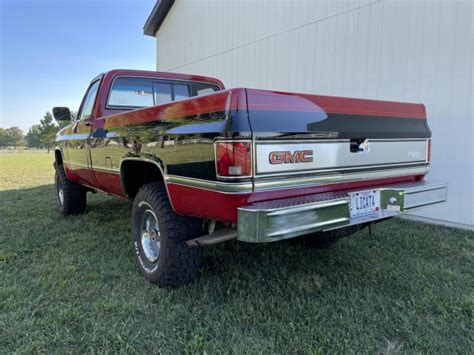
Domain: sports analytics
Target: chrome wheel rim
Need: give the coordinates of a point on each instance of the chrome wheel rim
(150, 236)
(60, 196)
(59, 192)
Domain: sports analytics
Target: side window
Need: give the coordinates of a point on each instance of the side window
(203, 89)
(136, 92)
(89, 101)
(181, 92)
(131, 92)
(162, 93)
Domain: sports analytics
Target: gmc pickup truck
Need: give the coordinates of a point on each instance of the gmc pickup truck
(204, 165)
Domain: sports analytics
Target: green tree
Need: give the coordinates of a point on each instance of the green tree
(33, 137)
(13, 137)
(47, 130)
(3, 137)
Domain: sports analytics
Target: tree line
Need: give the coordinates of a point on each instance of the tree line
(39, 136)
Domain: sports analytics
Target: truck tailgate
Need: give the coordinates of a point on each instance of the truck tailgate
(330, 155)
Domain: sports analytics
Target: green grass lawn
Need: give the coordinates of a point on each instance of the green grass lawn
(71, 285)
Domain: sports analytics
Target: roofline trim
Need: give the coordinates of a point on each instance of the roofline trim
(157, 16)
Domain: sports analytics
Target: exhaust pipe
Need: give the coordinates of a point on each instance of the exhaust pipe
(213, 238)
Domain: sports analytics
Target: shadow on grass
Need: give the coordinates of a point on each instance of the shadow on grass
(108, 218)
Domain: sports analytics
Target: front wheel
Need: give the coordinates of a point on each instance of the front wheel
(159, 238)
(70, 197)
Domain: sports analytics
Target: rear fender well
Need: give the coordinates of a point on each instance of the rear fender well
(137, 171)
(58, 156)
(61, 160)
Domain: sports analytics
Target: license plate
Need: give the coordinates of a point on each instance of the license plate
(364, 203)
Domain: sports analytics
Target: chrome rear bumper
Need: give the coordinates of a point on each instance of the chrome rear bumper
(280, 219)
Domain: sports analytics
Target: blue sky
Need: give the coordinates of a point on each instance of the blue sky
(51, 49)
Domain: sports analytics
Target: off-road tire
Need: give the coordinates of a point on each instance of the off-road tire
(177, 263)
(73, 200)
(323, 240)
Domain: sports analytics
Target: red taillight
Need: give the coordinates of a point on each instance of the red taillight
(428, 151)
(234, 159)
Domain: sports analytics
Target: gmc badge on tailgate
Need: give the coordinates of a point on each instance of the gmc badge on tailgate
(287, 157)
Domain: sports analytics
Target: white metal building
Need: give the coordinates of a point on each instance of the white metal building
(399, 50)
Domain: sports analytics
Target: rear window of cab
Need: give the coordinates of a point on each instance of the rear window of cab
(135, 92)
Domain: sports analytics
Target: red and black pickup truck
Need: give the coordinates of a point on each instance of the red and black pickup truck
(204, 164)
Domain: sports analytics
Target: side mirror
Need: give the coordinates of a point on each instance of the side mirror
(62, 114)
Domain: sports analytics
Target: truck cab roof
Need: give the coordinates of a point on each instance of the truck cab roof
(111, 74)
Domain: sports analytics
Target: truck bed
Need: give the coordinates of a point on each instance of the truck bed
(354, 142)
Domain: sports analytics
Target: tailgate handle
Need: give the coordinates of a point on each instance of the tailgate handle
(359, 145)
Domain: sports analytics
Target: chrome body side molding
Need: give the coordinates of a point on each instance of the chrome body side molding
(290, 182)
(218, 186)
(338, 177)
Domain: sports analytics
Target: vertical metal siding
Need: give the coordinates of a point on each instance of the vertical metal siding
(415, 51)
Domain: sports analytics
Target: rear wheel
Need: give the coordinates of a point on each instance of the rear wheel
(327, 239)
(159, 238)
(70, 197)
